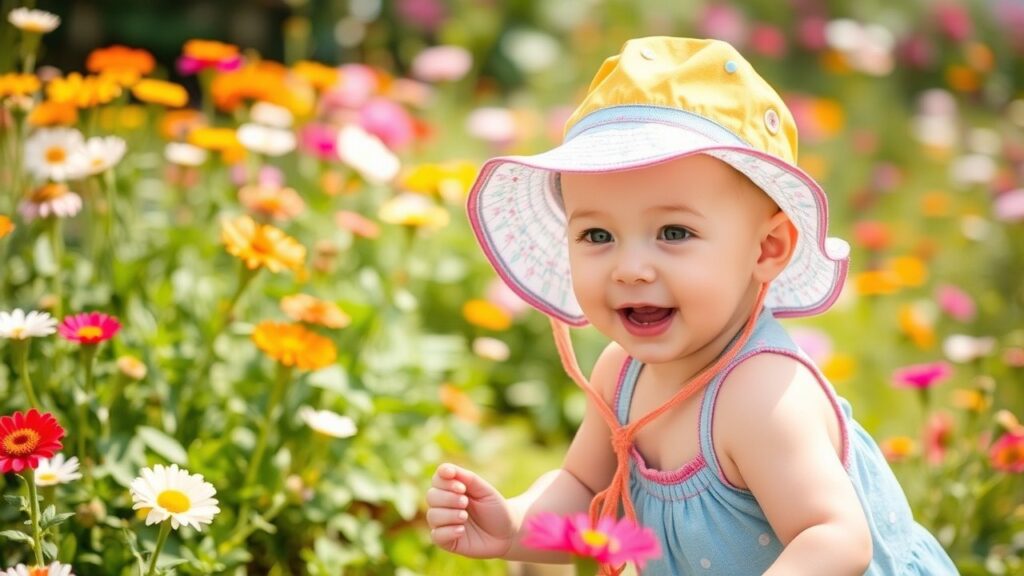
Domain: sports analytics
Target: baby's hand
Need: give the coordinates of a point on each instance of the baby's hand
(467, 515)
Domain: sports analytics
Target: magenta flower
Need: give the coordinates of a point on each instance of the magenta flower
(89, 328)
(319, 141)
(922, 376)
(955, 302)
(611, 542)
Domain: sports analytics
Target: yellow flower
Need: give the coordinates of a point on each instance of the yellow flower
(121, 64)
(293, 345)
(160, 92)
(450, 180)
(969, 399)
(214, 139)
(877, 282)
(897, 448)
(313, 310)
(415, 210)
(6, 226)
(18, 85)
(83, 91)
(320, 76)
(486, 315)
(839, 368)
(916, 324)
(127, 117)
(261, 245)
(131, 367)
(176, 124)
(53, 114)
(910, 271)
(935, 204)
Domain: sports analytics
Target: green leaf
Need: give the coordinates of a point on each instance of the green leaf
(163, 445)
(19, 502)
(49, 550)
(16, 536)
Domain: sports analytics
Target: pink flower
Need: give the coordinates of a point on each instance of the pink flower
(357, 224)
(357, 83)
(815, 343)
(811, 33)
(1009, 206)
(611, 542)
(319, 141)
(388, 121)
(89, 328)
(723, 22)
(1007, 454)
(442, 63)
(938, 436)
(922, 376)
(955, 302)
(768, 40)
(954, 20)
(424, 14)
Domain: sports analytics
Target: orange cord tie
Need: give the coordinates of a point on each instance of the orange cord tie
(606, 502)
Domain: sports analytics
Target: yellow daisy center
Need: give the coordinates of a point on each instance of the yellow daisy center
(89, 332)
(594, 538)
(18, 332)
(261, 244)
(56, 154)
(47, 477)
(21, 442)
(174, 501)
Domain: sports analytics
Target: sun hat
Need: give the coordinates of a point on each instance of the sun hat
(659, 99)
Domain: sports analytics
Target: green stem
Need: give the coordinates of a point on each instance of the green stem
(57, 246)
(33, 511)
(165, 530)
(284, 374)
(88, 356)
(21, 350)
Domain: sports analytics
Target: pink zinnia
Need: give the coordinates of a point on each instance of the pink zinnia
(1007, 454)
(388, 121)
(319, 141)
(89, 328)
(611, 542)
(955, 302)
(922, 376)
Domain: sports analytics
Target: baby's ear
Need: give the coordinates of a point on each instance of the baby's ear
(777, 246)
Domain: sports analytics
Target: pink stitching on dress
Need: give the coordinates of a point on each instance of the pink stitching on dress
(618, 385)
(827, 388)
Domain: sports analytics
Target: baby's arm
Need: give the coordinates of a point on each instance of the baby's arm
(470, 517)
(779, 431)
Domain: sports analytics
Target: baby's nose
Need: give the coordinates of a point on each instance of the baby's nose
(633, 267)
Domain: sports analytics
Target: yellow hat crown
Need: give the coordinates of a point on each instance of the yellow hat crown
(704, 77)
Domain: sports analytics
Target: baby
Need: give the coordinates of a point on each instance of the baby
(674, 219)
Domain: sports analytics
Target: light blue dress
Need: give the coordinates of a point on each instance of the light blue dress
(709, 527)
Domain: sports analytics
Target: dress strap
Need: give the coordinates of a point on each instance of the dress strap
(628, 376)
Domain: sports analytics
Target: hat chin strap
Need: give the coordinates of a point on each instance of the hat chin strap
(606, 502)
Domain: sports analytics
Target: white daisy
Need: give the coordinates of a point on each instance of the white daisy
(48, 153)
(170, 492)
(54, 569)
(53, 199)
(184, 154)
(98, 155)
(367, 155)
(56, 470)
(491, 349)
(327, 422)
(38, 21)
(17, 325)
(271, 115)
(266, 140)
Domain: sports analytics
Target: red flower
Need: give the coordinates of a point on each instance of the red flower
(922, 376)
(89, 327)
(27, 437)
(938, 436)
(611, 542)
(1007, 454)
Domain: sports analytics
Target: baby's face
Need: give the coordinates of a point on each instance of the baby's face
(662, 257)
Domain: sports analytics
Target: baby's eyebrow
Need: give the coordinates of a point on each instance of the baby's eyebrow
(584, 213)
(676, 208)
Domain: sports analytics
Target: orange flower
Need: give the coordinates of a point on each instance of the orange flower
(176, 124)
(897, 448)
(935, 204)
(83, 91)
(122, 64)
(53, 114)
(6, 226)
(160, 92)
(877, 282)
(293, 345)
(459, 403)
(18, 85)
(918, 325)
(909, 270)
(828, 116)
(263, 81)
(320, 76)
(209, 53)
(261, 245)
(486, 315)
(1007, 453)
(871, 234)
(962, 79)
(313, 310)
(277, 202)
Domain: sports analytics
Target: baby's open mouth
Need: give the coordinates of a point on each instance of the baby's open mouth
(646, 315)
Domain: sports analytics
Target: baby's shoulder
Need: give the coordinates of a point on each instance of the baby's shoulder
(605, 375)
(756, 388)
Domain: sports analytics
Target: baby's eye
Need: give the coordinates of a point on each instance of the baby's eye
(594, 236)
(675, 233)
